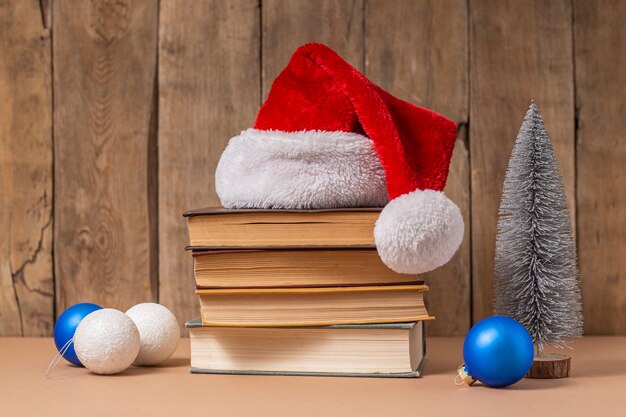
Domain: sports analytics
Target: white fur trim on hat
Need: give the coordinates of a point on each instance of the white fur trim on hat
(418, 231)
(300, 170)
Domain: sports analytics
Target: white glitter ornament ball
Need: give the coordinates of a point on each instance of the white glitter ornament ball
(106, 341)
(158, 331)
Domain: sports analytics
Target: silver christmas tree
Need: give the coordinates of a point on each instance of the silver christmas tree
(536, 277)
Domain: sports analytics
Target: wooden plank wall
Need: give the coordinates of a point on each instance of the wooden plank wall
(26, 199)
(209, 89)
(516, 54)
(600, 45)
(114, 114)
(104, 91)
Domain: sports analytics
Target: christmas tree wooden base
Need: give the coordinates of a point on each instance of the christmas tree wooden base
(550, 366)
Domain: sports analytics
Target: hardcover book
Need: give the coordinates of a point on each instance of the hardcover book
(375, 350)
(223, 228)
(293, 268)
(269, 307)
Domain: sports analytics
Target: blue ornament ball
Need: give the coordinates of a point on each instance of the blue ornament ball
(498, 351)
(66, 325)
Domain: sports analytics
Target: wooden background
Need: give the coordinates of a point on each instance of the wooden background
(113, 115)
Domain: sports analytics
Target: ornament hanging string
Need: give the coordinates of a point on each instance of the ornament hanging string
(58, 357)
(458, 381)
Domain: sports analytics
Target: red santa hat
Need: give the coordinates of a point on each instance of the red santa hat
(327, 137)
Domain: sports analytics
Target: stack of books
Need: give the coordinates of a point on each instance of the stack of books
(304, 292)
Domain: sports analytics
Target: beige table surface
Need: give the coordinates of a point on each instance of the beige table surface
(597, 388)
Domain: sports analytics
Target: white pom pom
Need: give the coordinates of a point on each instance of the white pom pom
(158, 331)
(106, 341)
(418, 231)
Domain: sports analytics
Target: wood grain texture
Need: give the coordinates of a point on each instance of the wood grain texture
(600, 42)
(26, 276)
(550, 366)
(428, 66)
(104, 75)
(209, 90)
(289, 24)
(519, 50)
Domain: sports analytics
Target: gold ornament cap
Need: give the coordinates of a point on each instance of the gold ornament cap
(464, 376)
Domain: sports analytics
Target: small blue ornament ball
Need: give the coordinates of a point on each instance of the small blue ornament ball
(66, 325)
(498, 351)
